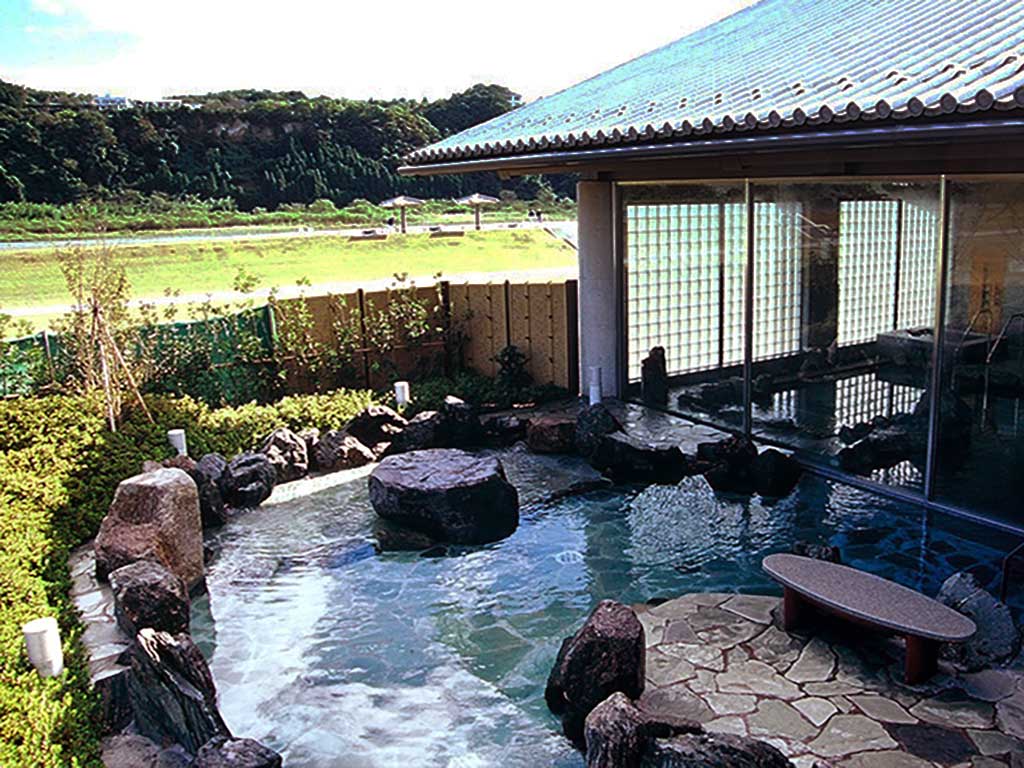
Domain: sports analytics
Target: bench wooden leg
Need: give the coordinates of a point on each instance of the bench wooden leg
(922, 659)
(794, 609)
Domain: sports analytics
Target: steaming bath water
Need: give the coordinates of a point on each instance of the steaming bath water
(338, 656)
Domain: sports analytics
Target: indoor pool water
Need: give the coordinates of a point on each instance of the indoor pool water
(338, 656)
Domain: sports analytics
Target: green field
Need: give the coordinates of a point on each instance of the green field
(32, 278)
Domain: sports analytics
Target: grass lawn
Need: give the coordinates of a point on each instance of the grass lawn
(32, 278)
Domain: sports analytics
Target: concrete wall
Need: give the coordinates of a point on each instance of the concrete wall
(599, 306)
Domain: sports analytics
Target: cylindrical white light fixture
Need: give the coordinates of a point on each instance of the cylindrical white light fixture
(595, 384)
(402, 393)
(176, 437)
(42, 640)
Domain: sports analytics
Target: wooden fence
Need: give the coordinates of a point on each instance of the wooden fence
(538, 318)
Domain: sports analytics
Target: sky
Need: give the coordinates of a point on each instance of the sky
(154, 48)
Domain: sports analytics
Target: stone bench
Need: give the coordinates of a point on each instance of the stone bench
(872, 601)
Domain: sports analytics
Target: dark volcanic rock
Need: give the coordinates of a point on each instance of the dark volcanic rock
(148, 595)
(654, 378)
(605, 656)
(311, 437)
(460, 424)
(376, 428)
(592, 424)
(450, 495)
(732, 461)
(881, 449)
(173, 694)
(154, 516)
(391, 537)
(424, 430)
(997, 637)
(207, 474)
(551, 434)
(617, 732)
(179, 462)
(287, 453)
(713, 751)
(248, 480)
(337, 449)
(222, 752)
(625, 458)
(775, 473)
(504, 430)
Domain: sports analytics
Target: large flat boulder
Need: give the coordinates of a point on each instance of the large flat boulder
(631, 459)
(450, 495)
(605, 656)
(154, 516)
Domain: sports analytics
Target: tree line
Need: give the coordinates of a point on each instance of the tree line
(257, 149)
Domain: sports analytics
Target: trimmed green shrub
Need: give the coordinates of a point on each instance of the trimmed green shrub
(59, 466)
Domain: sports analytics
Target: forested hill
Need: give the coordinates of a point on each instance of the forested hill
(258, 148)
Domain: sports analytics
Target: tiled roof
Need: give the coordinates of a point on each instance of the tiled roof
(778, 64)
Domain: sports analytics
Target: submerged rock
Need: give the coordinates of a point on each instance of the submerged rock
(826, 552)
(551, 434)
(450, 495)
(173, 695)
(146, 594)
(604, 657)
(376, 427)
(997, 637)
(206, 474)
(337, 450)
(287, 453)
(222, 752)
(153, 516)
(248, 480)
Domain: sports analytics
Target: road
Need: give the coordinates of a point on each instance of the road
(563, 229)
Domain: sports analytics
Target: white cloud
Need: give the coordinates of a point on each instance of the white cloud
(360, 49)
(50, 7)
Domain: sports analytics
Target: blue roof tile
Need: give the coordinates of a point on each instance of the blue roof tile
(779, 64)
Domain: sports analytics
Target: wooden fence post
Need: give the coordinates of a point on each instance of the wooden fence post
(362, 336)
(572, 334)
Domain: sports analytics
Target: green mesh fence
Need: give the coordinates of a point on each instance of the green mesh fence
(221, 359)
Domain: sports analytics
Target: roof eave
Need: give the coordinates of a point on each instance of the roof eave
(878, 135)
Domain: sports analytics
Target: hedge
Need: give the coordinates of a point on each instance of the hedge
(59, 466)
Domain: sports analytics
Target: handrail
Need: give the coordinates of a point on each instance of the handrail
(1016, 552)
(1002, 335)
(986, 312)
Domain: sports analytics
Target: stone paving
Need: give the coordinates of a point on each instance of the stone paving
(833, 697)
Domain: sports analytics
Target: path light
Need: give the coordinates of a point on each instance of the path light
(595, 384)
(402, 202)
(476, 200)
(42, 641)
(176, 437)
(402, 395)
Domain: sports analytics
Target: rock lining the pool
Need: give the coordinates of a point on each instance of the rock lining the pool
(450, 495)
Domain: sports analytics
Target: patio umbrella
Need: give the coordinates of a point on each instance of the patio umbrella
(402, 202)
(477, 201)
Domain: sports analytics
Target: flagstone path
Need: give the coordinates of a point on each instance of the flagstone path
(833, 697)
